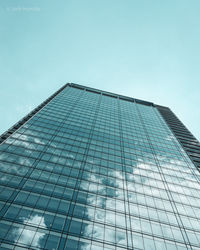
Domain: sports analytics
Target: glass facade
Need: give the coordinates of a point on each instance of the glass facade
(95, 171)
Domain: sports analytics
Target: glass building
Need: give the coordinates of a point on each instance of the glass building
(91, 170)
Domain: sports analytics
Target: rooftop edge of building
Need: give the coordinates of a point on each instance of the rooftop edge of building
(106, 93)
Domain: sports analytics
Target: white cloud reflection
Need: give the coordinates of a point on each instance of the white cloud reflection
(98, 231)
(26, 235)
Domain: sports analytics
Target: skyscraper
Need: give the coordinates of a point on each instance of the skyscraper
(88, 169)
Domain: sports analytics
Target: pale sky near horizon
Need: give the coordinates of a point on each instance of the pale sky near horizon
(146, 49)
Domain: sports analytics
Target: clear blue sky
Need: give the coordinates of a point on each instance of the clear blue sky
(147, 49)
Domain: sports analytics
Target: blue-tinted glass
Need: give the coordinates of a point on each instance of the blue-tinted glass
(104, 171)
(58, 223)
(52, 242)
(4, 230)
(75, 227)
(71, 244)
(12, 212)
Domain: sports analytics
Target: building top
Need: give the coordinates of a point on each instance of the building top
(183, 135)
(122, 97)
